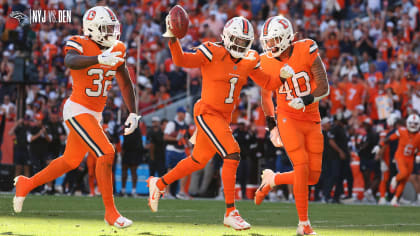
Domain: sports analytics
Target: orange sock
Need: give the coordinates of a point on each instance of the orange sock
(104, 177)
(55, 169)
(300, 190)
(400, 187)
(92, 184)
(284, 178)
(229, 180)
(384, 181)
(183, 168)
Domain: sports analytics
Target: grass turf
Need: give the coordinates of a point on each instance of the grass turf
(60, 215)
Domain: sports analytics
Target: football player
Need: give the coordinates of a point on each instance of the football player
(225, 67)
(389, 150)
(408, 145)
(298, 119)
(94, 60)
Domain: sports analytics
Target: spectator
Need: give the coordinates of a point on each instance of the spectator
(56, 144)
(178, 79)
(156, 148)
(132, 151)
(20, 148)
(176, 137)
(8, 107)
(245, 139)
(368, 164)
(38, 139)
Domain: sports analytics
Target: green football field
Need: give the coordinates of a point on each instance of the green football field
(59, 215)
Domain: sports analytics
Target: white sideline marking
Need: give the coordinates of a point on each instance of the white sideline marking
(369, 225)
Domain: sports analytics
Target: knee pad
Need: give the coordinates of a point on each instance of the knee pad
(72, 163)
(106, 159)
(197, 165)
(314, 177)
(234, 156)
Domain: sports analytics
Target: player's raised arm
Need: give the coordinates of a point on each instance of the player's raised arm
(186, 59)
(128, 93)
(176, 27)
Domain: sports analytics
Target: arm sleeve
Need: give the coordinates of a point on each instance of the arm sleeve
(190, 60)
(73, 43)
(264, 80)
(313, 51)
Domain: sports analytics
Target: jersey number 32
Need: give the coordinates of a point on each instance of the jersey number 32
(102, 89)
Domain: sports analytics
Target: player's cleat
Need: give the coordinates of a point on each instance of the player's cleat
(154, 193)
(121, 222)
(393, 184)
(305, 229)
(235, 221)
(267, 181)
(394, 202)
(382, 201)
(22, 189)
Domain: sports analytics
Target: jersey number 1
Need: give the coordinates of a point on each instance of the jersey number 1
(98, 82)
(232, 82)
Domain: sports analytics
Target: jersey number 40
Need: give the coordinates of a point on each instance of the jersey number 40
(102, 89)
(299, 92)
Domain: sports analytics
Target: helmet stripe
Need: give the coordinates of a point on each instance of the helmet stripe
(245, 22)
(266, 26)
(111, 14)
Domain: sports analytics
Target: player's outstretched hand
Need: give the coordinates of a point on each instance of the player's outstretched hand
(110, 58)
(131, 123)
(286, 72)
(168, 33)
(297, 103)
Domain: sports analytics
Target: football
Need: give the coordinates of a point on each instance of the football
(179, 21)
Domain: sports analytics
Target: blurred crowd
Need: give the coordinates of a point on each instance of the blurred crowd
(370, 48)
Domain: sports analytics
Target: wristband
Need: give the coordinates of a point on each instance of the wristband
(271, 122)
(308, 99)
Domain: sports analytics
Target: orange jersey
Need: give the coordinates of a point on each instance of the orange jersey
(91, 84)
(336, 98)
(301, 84)
(223, 77)
(408, 144)
(354, 95)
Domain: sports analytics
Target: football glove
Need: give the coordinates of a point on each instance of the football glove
(418, 159)
(296, 103)
(275, 138)
(110, 58)
(131, 123)
(168, 33)
(286, 72)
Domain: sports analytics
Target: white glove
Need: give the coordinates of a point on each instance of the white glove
(418, 159)
(376, 150)
(296, 103)
(110, 58)
(286, 72)
(275, 137)
(384, 167)
(168, 33)
(131, 123)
